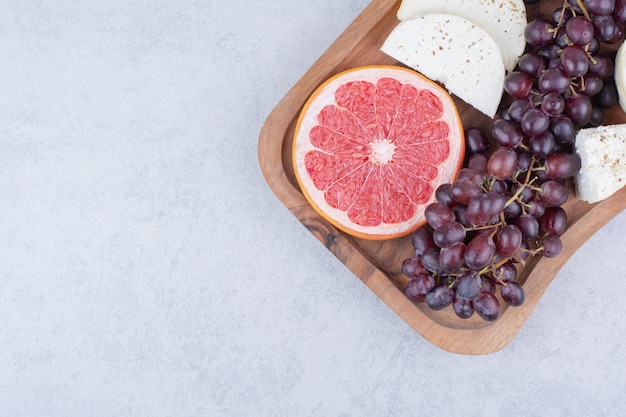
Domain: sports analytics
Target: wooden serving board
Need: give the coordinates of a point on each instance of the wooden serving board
(378, 264)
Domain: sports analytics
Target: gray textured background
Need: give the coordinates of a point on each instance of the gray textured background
(146, 269)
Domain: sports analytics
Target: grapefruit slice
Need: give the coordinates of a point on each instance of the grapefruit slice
(371, 146)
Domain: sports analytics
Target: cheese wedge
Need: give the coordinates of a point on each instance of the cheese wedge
(602, 152)
(453, 51)
(504, 20)
(620, 75)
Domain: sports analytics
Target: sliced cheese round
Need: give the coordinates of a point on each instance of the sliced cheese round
(453, 51)
(620, 75)
(504, 20)
(602, 152)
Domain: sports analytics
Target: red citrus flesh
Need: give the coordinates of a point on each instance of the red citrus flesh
(371, 146)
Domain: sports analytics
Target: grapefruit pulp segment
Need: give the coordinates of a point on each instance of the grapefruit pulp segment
(370, 147)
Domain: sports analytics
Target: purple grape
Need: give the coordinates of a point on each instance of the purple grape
(600, 7)
(607, 97)
(578, 108)
(591, 85)
(563, 129)
(518, 108)
(507, 133)
(498, 200)
(528, 225)
(552, 246)
(535, 207)
(553, 104)
(437, 214)
(412, 267)
(451, 258)
(449, 234)
(532, 64)
(562, 165)
(579, 30)
(554, 221)
(468, 286)
(460, 212)
(471, 175)
(430, 260)
(418, 288)
(508, 241)
(463, 308)
(553, 193)
(478, 161)
(463, 190)
(534, 122)
(554, 80)
(574, 61)
(422, 239)
(443, 195)
(518, 84)
(606, 28)
(478, 210)
(513, 294)
(597, 117)
(479, 252)
(476, 140)
(440, 297)
(620, 11)
(542, 145)
(602, 66)
(538, 32)
(505, 272)
(487, 306)
(502, 163)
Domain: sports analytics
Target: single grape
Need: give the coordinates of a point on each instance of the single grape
(412, 267)
(471, 175)
(538, 32)
(513, 294)
(468, 285)
(507, 133)
(487, 284)
(597, 117)
(463, 308)
(535, 207)
(602, 66)
(518, 84)
(502, 163)
(605, 27)
(479, 252)
(476, 140)
(553, 104)
(528, 225)
(513, 210)
(561, 15)
(451, 258)
(498, 200)
(479, 210)
(607, 97)
(534, 122)
(505, 272)
(418, 288)
(552, 246)
(591, 85)
(508, 240)
(563, 129)
(553, 193)
(430, 260)
(554, 221)
(443, 195)
(542, 145)
(460, 212)
(448, 234)
(578, 108)
(478, 161)
(487, 306)
(518, 108)
(554, 80)
(532, 64)
(437, 214)
(562, 165)
(440, 297)
(579, 30)
(422, 239)
(574, 61)
(463, 190)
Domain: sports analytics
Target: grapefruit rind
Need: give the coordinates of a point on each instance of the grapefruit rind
(324, 96)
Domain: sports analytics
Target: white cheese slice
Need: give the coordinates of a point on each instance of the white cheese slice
(504, 20)
(453, 51)
(620, 75)
(602, 152)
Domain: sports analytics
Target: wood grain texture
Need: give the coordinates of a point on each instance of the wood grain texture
(377, 264)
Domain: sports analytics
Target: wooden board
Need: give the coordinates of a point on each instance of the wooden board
(378, 264)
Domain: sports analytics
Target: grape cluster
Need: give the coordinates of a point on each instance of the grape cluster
(505, 204)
